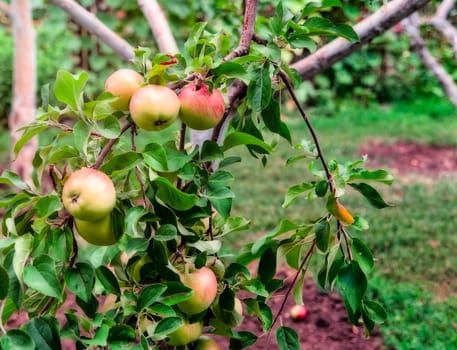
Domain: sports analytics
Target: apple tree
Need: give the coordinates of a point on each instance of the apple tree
(133, 220)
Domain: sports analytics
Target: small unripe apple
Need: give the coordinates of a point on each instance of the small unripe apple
(201, 109)
(122, 84)
(207, 343)
(187, 333)
(225, 319)
(98, 232)
(204, 284)
(89, 194)
(298, 312)
(154, 107)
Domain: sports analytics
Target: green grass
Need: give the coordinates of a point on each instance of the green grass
(414, 242)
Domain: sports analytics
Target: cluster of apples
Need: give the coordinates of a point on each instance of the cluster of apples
(90, 197)
(155, 107)
(203, 282)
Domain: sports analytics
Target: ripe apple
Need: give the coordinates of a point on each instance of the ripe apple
(187, 333)
(298, 312)
(98, 232)
(207, 343)
(204, 284)
(89, 194)
(154, 107)
(123, 83)
(201, 109)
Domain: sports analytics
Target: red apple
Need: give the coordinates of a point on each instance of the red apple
(298, 312)
(154, 107)
(89, 194)
(123, 83)
(187, 333)
(201, 109)
(204, 284)
(207, 343)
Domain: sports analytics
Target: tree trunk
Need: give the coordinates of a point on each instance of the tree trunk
(24, 85)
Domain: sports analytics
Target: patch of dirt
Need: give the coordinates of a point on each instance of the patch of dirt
(406, 157)
(326, 326)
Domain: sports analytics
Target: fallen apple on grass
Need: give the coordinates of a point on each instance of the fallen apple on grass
(201, 109)
(154, 107)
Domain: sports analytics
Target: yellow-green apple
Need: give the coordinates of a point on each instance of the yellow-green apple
(224, 319)
(201, 109)
(204, 284)
(122, 84)
(187, 333)
(154, 107)
(207, 343)
(98, 232)
(89, 194)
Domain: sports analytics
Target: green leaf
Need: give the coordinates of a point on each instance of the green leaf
(352, 283)
(4, 283)
(173, 197)
(259, 89)
(271, 116)
(287, 338)
(14, 180)
(363, 255)
(175, 293)
(68, 88)
(30, 131)
(322, 232)
(321, 188)
(109, 127)
(121, 333)
(150, 295)
(346, 31)
(167, 326)
(371, 175)
(276, 22)
(45, 333)
(254, 286)
(240, 138)
(370, 193)
(121, 163)
(155, 157)
(211, 247)
(230, 70)
(42, 277)
(166, 232)
(267, 265)
(16, 339)
(81, 135)
(374, 311)
(48, 205)
(283, 227)
(211, 151)
(80, 280)
(295, 191)
(108, 280)
(22, 250)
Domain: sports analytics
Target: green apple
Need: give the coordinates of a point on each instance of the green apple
(89, 194)
(187, 333)
(98, 232)
(225, 319)
(154, 107)
(122, 84)
(201, 109)
(204, 284)
(207, 343)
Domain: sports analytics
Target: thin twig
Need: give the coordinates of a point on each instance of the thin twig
(110, 145)
(289, 290)
(320, 154)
